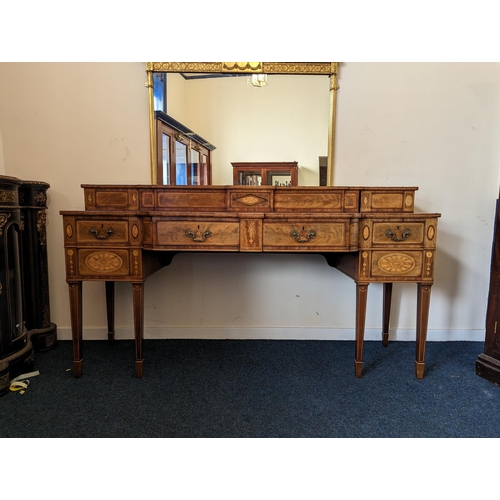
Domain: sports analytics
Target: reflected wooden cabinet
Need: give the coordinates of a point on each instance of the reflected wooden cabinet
(184, 158)
(265, 173)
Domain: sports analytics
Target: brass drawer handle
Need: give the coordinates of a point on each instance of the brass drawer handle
(197, 235)
(95, 233)
(399, 235)
(303, 236)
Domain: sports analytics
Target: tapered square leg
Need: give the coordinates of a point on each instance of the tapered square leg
(75, 306)
(361, 299)
(138, 301)
(386, 313)
(423, 303)
(110, 309)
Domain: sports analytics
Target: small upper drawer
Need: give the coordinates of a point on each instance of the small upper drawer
(388, 200)
(401, 233)
(190, 235)
(387, 233)
(102, 231)
(305, 235)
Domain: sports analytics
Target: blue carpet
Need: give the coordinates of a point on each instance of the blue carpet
(255, 388)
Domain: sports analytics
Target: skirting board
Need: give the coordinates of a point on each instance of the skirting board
(263, 333)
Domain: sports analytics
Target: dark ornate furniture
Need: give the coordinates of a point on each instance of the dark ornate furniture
(488, 362)
(282, 173)
(371, 234)
(25, 325)
(183, 157)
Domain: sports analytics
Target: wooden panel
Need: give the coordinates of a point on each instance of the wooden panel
(104, 232)
(105, 263)
(308, 201)
(111, 199)
(303, 236)
(251, 235)
(147, 232)
(396, 264)
(191, 200)
(387, 200)
(147, 199)
(197, 235)
(250, 200)
(69, 230)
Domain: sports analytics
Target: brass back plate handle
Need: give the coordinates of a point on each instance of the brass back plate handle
(96, 234)
(399, 234)
(198, 235)
(303, 236)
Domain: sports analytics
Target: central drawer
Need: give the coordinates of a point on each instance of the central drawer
(306, 235)
(197, 235)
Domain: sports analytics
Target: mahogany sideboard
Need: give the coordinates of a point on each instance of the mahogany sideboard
(372, 234)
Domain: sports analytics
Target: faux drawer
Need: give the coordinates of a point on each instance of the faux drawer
(397, 264)
(102, 231)
(103, 262)
(305, 235)
(198, 234)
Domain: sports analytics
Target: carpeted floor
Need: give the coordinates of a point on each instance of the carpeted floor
(255, 388)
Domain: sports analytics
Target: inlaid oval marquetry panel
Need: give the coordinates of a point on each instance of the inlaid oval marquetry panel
(69, 230)
(103, 262)
(135, 231)
(250, 200)
(409, 201)
(366, 233)
(396, 263)
(431, 232)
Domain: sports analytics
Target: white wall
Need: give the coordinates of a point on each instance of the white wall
(435, 126)
(2, 163)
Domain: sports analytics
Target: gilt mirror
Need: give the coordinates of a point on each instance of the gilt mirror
(204, 119)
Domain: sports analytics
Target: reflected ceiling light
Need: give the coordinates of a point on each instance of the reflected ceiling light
(259, 80)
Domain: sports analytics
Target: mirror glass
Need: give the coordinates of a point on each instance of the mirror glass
(283, 121)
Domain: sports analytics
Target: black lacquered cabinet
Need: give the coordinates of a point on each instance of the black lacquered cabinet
(488, 362)
(25, 325)
(33, 200)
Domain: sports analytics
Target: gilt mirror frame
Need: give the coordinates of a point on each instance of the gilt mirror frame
(277, 68)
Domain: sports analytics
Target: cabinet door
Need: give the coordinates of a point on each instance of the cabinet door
(205, 177)
(196, 173)
(165, 158)
(181, 162)
(249, 177)
(278, 178)
(11, 322)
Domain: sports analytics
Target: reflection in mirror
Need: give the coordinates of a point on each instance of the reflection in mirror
(287, 120)
(291, 118)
